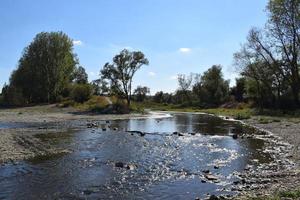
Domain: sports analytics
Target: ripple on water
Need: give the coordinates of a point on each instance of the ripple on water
(166, 165)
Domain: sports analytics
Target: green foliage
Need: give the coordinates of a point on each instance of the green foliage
(100, 87)
(120, 73)
(44, 69)
(290, 194)
(80, 76)
(81, 92)
(141, 93)
(161, 97)
(239, 90)
(269, 60)
(212, 89)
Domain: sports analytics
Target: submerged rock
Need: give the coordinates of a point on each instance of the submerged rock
(213, 197)
(91, 125)
(235, 136)
(211, 177)
(119, 164)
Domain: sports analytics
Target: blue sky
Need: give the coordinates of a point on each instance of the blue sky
(177, 36)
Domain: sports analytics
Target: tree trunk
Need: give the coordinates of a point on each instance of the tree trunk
(295, 90)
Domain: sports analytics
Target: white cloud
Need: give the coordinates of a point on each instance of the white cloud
(77, 42)
(117, 48)
(184, 50)
(174, 77)
(151, 73)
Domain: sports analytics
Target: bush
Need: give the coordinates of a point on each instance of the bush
(81, 92)
(66, 103)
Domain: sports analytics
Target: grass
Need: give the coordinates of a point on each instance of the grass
(293, 194)
(242, 112)
(236, 113)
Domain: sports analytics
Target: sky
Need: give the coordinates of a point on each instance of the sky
(177, 36)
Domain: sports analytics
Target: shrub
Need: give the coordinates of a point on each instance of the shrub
(242, 116)
(81, 92)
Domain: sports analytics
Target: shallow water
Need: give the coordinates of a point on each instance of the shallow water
(165, 166)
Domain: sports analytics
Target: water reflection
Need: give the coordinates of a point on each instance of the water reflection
(167, 166)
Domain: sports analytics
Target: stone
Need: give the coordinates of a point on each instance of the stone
(213, 197)
(131, 167)
(235, 136)
(119, 164)
(211, 177)
(180, 134)
(142, 134)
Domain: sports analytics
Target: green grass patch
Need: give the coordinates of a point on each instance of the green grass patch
(236, 113)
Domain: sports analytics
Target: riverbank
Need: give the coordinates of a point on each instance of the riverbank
(282, 129)
(18, 141)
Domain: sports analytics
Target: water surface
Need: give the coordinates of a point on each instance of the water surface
(166, 166)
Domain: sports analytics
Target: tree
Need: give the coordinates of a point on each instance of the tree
(120, 73)
(100, 87)
(239, 89)
(80, 76)
(141, 93)
(161, 97)
(271, 56)
(185, 82)
(45, 68)
(81, 92)
(212, 89)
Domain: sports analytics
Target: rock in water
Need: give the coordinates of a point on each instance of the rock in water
(213, 197)
(235, 136)
(211, 177)
(142, 134)
(119, 164)
(130, 167)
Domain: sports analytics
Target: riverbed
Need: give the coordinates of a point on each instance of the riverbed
(178, 156)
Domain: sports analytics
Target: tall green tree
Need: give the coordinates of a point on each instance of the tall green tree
(212, 89)
(141, 92)
(80, 76)
(45, 67)
(271, 55)
(121, 71)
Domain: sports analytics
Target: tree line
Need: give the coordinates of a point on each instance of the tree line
(268, 63)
